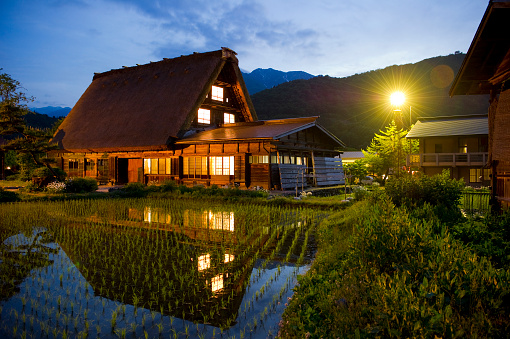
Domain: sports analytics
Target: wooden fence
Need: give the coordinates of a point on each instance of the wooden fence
(328, 171)
(325, 172)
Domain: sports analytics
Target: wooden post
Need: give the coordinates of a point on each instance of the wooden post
(313, 171)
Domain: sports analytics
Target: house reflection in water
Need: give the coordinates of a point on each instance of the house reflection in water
(182, 264)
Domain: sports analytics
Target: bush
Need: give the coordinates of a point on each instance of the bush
(56, 187)
(489, 237)
(360, 192)
(8, 196)
(440, 191)
(168, 186)
(398, 279)
(81, 185)
(133, 189)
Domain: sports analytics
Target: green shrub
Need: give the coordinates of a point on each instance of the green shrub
(439, 191)
(360, 192)
(168, 186)
(81, 185)
(133, 189)
(397, 279)
(489, 237)
(8, 196)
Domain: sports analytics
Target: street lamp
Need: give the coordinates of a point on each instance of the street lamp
(397, 99)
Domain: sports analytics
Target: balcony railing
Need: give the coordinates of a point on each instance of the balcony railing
(447, 159)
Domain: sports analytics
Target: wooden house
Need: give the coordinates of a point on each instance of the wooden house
(456, 143)
(189, 119)
(486, 70)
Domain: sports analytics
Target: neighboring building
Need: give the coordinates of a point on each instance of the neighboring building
(351, 156)
(486, 70)
(457, 143)
(188, 119)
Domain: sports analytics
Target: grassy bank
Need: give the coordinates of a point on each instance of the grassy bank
(384, 270)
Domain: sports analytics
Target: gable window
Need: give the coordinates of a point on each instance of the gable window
(204, 116)
(217, 93)
(228, 118)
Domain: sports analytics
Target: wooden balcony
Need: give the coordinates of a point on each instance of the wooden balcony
(448, 159)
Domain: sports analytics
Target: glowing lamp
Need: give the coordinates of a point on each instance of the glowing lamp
(397, 98)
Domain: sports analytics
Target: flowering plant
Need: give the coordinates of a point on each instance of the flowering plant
(56, 187)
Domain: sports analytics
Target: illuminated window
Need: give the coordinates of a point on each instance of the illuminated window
(221, 165)
(204, 262)
(463, 145)
(259, 159)
(217, 283)
(228, 118)
(194, 167)
(204, 116)
(217, 93)
(475, 175)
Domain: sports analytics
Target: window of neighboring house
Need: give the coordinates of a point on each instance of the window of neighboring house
(221, 165)
(438, 148)
(228, 118)
(475, 175)
(462, 145)
(217, 93)
(204, 116)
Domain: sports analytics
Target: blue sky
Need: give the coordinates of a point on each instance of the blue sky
(54, 47)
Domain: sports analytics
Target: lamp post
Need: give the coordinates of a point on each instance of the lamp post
(397, 99)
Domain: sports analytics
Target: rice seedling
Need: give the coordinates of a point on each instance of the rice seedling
(106, 255)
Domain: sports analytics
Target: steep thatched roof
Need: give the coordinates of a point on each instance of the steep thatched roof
(146, 107)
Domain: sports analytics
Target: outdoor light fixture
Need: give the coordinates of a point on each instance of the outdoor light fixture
(397, 98)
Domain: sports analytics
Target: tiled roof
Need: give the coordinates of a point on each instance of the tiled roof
(450, 126)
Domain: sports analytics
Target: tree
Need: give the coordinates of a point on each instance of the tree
(389, 149)
(16, 135)
(356, 170)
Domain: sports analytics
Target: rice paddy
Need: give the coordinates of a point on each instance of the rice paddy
(138, 268)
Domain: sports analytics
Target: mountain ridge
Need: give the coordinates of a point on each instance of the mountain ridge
(356, 107)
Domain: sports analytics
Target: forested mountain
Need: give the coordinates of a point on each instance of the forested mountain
(41, 121)
(52, 111)
(261, 79)
(355, 107)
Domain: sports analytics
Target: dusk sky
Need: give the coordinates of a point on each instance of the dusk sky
(54, 47)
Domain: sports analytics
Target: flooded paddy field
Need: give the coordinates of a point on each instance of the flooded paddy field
(136, 268)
